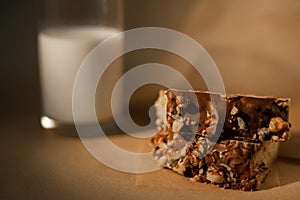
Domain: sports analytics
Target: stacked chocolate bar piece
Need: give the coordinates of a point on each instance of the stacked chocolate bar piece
(226, 140)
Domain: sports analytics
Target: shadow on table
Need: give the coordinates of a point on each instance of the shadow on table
(108, 128)
(284, 171)
(87, 131)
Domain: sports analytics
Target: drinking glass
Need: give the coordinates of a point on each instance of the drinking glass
(68, 31)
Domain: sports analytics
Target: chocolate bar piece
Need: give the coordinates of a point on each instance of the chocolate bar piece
(240, 156)
(247, 118)
(229, 164)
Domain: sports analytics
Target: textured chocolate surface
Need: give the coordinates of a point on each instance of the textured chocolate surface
(247, 118)
(240, 157)
(229, 164)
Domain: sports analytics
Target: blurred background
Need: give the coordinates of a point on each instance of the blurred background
(254, 43)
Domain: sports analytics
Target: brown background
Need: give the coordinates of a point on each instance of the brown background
(254, 43)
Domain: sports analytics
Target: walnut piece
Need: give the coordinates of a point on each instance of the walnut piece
(277, 124)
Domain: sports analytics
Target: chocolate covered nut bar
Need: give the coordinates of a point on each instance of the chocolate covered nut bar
(247, 118)
(240, 156)
(229, 164)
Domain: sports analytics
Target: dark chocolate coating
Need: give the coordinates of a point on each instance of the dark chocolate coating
(247, 118)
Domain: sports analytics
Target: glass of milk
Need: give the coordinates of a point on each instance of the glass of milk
(68, 31)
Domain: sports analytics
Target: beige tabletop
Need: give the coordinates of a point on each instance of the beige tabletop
(39, 164)
(241, 36)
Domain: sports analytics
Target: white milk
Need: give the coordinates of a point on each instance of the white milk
(61, 52)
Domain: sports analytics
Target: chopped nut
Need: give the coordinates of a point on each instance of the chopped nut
(180, 101)
(211, 130)
(208, 114)
(201, 171)
(180, 168)
(187, 121)
(228, 169)
(283, 102)
(262, 133)
(234, 110)
(183, 150)
(193, 122)
(214, 177)
(201, 164)
(285, 135)
(163, 145)
(196, 178)
(201, 150)
(207, 121)
(275, 138)
(176, 117)
(241, 123)
(177, 125)
(277, 124)
(162, 160)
